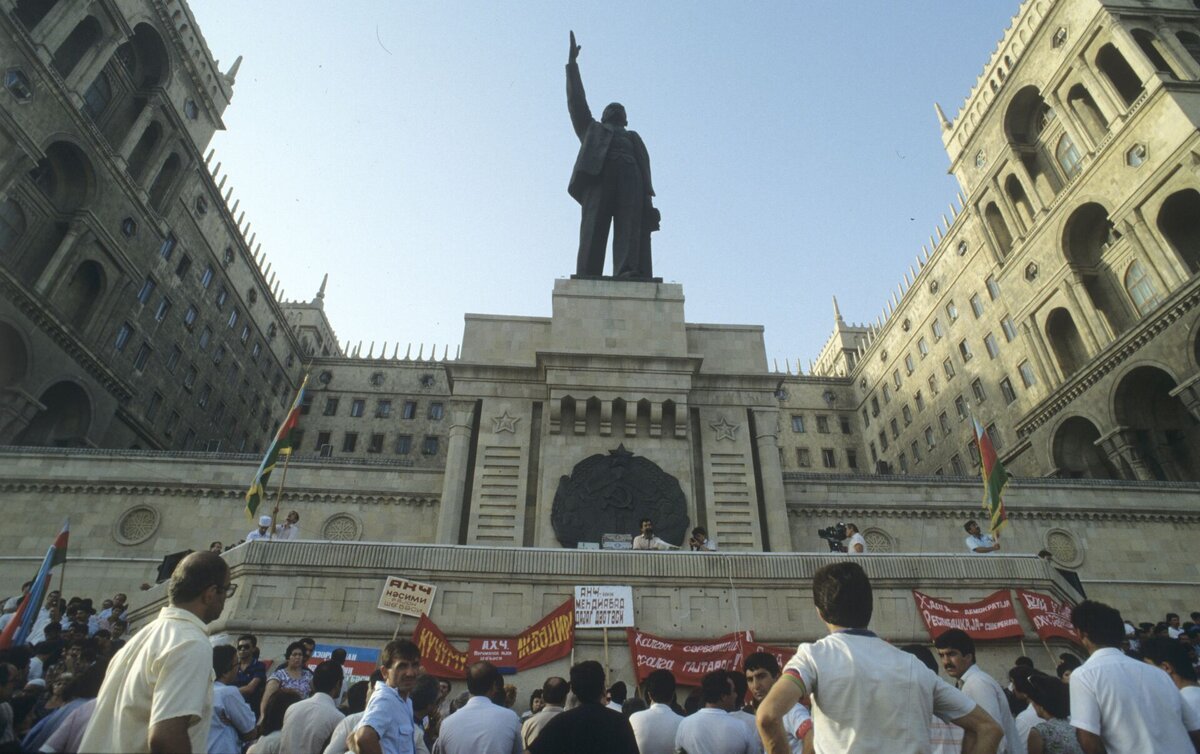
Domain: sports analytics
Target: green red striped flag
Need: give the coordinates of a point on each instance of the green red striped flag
(995, 478)
(281, 445)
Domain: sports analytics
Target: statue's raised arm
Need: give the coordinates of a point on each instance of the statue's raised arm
(577, 106)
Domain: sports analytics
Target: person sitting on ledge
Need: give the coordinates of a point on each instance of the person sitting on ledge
(647, 541)
(977, 541)
(700, 541)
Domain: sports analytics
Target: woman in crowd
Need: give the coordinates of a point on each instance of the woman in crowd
(270, 728)
(293, 676)
(75, 695)
(1052, 700)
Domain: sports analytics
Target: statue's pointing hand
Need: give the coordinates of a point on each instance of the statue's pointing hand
(574, 49)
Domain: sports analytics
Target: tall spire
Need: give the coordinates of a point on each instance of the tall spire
(231, 75)
(941, 117)
(320, 299)
(837, 314)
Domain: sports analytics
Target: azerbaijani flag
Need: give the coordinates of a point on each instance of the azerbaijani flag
(16, 633)
(281, 445)
(995, 478)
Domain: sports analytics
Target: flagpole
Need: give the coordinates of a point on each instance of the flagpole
(279, 491)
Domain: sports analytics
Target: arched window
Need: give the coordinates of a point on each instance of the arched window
(1179, 221)
(999, 228)
(1149, 47)
(12, 225)
(1065, 341)
(1117, 70)
(1083, 105)
(1020, 200)
(1141, 288)
(97, 97)
(75, 46)
(31, 12)
(143, 149)
(1068, 157)
(162, 183)
(1191, 43)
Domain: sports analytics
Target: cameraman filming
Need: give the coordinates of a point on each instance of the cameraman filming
(856, 544)
(699, 541)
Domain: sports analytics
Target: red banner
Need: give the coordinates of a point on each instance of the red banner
(782, 654)
(993, 617)
(545, 641)
(1050, 618)
(688, 659)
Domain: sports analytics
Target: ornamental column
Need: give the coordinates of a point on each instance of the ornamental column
(454, 483)
(1121, 446)
(778, 535)
(58, 258)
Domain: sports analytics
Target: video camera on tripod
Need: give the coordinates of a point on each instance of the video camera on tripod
(834, 536)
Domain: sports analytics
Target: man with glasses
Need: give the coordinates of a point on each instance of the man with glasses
(158, 694)
(251, 672)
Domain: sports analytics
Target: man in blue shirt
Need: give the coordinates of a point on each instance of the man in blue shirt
(387, 725)
(977, 541)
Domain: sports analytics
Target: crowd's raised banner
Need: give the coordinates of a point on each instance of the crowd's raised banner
(360, 663)
(1050, 618)
(782, 654)
(993, 617)
(603, 607)
(400, 595)
(547, 640)
(688, 659)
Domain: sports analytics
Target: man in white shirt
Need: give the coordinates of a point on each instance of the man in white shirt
(957, 652)
(617, 693)
(762, 671)
(157, 695)
(700, 541)
(868, 696)
(263, 531)
(232, 719)
(1173, 629)
(655, 728)
(483, 725)
(712, 730)
(978, 542)
(387, 726)
(1120, 705)
(1171, 655)
(1018, 678)
(856, 543)
(289, 529)
(554, 696)
(308, 724)
(646, 540)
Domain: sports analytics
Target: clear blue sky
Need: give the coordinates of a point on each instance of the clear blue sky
(419, 152)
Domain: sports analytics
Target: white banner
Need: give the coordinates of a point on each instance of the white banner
(406, 597)
(603, 606)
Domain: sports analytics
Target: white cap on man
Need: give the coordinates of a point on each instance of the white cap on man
(264, 520)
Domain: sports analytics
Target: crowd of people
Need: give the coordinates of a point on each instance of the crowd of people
(79, 685)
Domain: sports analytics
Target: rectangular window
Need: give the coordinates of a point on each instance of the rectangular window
(233, 318)
(852, 459)
(952, 312)
(383, 410)
(1006, 390)
(874, 454)
(828, 458)
(410, 410)
(168, 247)
(896, 378)
(994, 435)
(204, 395)
(936, 329)
(977, 389)
(147, 290)
(205, 337)
(173, 358)
(172, 422)
(844, 421)
(866, 417)
(802, 458)
(349, 442)
(323, 439)
(403, 445)
(1026, 371)
(376, 445)
(797, 423)
(436, 411)
(331, 406)
(1010, 330)
(989, 342)
(908, 363)
(948, 368)
(930, 438)
(189, 439)
(907, 413)
(944, 423)
(245, 333)
(973, 447)
(895, 427)
(964, 350)
(903, 463)
(874, 406)
(430, 446)
(976, 305)
(993, 288)
(957, 465)
(207, 277)
(185, 264)
(922, 347)
(297, 437)
(357, 406)
(306, 403)
(222, 297)
(142, 356)
(219, 354)
(915, 451)
(123, 336)
(823, 424)
(887, 395)
(189, 317)
(920, 400)
(960, 407)
(933, 390)
(164, 307)
(231, 374)
(255, 351)
(156, 400)
(883, 441)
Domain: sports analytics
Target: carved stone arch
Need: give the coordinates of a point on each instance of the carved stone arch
(1113, 65)
(1178, 221)
(79, 298)
(1150, 45)
(1066, 343)
(65, 174)
(16, 355)
(1074, 451)
(71, 52)
(1156, 432)
(67, 418)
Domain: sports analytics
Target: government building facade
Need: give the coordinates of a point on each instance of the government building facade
(147, 353)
